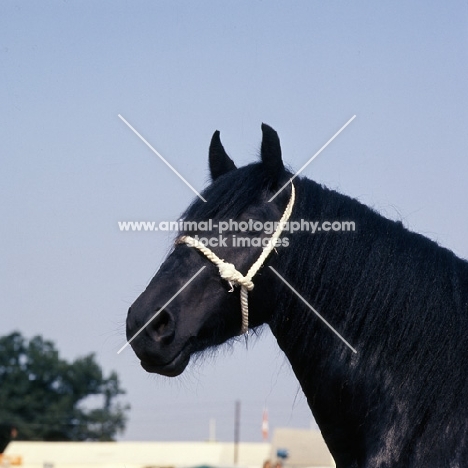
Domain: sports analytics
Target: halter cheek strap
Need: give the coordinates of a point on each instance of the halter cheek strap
(229, 272)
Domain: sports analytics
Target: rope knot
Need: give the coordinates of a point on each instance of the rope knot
(228, 272)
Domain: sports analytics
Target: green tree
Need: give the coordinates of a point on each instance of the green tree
(47, 398)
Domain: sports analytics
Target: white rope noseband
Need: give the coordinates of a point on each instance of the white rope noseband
(229, 272)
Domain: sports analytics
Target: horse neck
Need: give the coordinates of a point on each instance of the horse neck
(377, 287)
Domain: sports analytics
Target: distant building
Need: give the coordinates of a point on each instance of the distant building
(306, 449)
(134, 454)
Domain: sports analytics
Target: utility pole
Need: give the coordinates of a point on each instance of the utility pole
(236, 432)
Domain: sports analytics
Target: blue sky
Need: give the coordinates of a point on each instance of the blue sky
(177, 71)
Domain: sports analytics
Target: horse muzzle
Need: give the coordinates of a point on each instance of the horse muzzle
(155, 343)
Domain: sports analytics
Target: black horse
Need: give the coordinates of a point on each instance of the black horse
(397, 297)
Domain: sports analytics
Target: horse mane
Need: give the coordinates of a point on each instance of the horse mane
(402, 266)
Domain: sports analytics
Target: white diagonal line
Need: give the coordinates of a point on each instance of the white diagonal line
(312, 158)
(160, 157)
(161, 309)
(313, 310)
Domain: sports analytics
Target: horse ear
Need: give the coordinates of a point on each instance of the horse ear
(271, 152)
(220, 162)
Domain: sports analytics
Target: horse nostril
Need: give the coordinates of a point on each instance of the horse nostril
(162, 327)
(161, 324)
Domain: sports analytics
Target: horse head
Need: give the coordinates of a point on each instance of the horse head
(194, 300)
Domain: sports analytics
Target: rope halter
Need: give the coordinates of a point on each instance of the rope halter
(229, 272)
